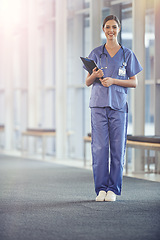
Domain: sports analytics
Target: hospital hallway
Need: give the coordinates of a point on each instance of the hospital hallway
(42, 200)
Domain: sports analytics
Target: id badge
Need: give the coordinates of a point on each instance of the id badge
(122, 71)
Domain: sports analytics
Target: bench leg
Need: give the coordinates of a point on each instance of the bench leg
(126, 160)
(84, 153)
(43, 147)
(22, 145)
(157, 162)
(148, 160)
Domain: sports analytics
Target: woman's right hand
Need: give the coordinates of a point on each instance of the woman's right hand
(97, 73)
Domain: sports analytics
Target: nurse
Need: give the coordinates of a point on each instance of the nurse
(118, 67)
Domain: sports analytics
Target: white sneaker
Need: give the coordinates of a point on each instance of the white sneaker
(101, 196)
(110, 197)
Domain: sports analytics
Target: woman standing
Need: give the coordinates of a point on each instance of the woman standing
(118, 67)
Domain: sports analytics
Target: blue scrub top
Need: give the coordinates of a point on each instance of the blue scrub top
(114, 96)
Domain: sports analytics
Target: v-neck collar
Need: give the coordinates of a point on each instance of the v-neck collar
(114, 54)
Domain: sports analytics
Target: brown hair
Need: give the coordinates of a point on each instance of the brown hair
(111, 17)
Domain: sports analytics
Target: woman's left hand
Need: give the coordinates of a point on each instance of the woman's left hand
(106, 82)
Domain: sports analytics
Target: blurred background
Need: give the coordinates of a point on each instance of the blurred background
(42, 82)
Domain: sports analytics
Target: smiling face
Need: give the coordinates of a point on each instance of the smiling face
(111, 30)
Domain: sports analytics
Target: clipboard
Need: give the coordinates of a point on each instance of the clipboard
(89, 64)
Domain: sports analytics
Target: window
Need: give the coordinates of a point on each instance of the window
(126, 40)
(149, 68)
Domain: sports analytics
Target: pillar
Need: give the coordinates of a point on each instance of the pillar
(157, 68)
(138, 97)
(139, 50)
(60, 76)
(95, 23)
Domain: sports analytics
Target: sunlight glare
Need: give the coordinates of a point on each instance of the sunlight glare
(9, 14)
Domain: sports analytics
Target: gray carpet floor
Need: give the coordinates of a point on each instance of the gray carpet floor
(40, 200)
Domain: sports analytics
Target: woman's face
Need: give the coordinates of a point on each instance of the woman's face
(111, 29)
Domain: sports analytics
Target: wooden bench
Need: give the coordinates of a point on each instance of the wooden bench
(42, 133)
(147, 143)
(141, 142)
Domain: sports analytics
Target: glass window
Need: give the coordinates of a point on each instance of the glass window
(149, 109)
(41, 55)
(51, 8)
(149, 68)
(126, 40)
(87, 90)
(16, 62)
(86, 35)
(78, 122)
(20, 107)
(126, 26)
(70, 4)
(149, 43)
(86, 3)
(105, 13)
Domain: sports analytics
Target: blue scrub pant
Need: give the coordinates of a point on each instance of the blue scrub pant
(109, 131)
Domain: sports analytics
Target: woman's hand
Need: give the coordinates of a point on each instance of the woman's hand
(97, 73)
(131, 82)
(106, 82)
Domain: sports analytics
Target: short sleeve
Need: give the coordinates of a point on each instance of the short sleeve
(133, 65)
